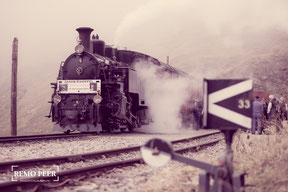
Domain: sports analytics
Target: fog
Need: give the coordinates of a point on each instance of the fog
(186, 30)
(47, 36)
(46, 31)
(202, 37)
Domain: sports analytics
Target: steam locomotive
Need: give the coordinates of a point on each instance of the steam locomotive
(98, 89)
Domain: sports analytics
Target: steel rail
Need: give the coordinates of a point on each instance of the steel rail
(28, 183)
(42, 137)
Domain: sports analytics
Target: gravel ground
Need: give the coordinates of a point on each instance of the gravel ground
(68, 146)
(172, 177)
(36, 149)
(5, 175)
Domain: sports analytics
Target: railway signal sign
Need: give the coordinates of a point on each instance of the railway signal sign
(227, 104)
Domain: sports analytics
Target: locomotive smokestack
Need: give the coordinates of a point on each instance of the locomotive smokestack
(84, 35)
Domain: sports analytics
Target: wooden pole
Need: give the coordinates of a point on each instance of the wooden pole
(14, 88)
(167, 60)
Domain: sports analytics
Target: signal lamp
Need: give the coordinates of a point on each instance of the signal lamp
(56, 99)
(97, 99)
(79, 49)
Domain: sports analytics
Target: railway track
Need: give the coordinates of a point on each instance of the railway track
(66, 176)
(43, 137)
(11, 139)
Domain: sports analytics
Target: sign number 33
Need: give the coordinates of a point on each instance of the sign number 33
(244, 104)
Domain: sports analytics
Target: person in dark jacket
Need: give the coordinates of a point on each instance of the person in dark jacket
(257, 115)
(265, 106)
(282, 109)
(272, 108)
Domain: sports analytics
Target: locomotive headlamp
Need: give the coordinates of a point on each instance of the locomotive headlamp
(97, 99)
(56, 99)
(106, 62)
(79, 49)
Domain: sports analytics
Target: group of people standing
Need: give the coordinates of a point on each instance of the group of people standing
(263, 111)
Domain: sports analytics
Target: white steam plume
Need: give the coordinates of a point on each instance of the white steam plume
(205, 36)
(164, 96)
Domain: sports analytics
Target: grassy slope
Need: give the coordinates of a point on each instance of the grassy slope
(32, 107)
(264, 158)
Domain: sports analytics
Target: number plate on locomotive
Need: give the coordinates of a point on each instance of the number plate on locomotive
(92, 86)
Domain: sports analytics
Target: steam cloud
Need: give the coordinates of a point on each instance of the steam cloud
(164, 95)
(204, 37)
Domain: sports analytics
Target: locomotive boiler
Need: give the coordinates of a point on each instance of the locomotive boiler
(97, 88)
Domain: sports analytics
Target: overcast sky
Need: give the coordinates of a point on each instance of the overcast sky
(190, 28)
(46, 28)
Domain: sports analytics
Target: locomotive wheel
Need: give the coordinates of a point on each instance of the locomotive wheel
(123, 130)
(105, 127)
(131, 128)
(138, 122)
(111, 129)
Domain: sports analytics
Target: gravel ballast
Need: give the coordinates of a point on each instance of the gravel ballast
(172, 177)
(69, 146)
(124, 179)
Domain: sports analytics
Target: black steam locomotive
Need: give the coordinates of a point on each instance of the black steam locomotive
(98, 89)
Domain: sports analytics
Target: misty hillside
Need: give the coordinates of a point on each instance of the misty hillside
(266, 64)
(206, 38)
(269, 71)
(32, 106)
(262, 57)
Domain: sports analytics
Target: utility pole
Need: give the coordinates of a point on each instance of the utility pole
(167, 60)
(14, 88)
